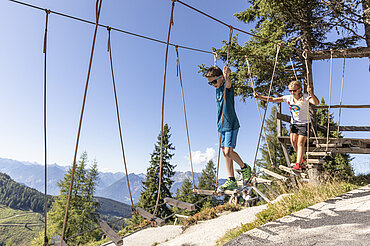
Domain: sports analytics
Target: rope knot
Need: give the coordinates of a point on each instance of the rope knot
(47, 11)
(109, 28)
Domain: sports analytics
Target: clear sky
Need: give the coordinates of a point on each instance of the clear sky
(139, 67)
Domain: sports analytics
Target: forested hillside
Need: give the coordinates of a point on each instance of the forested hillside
(17, 196)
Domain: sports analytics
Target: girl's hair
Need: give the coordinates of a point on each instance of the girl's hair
(295, 84)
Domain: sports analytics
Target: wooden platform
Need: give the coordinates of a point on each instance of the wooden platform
(348, 145)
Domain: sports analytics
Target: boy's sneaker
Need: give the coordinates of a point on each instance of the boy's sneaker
(229, 185)
(246, 173)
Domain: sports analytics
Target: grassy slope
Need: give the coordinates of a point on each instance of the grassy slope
(18, 235)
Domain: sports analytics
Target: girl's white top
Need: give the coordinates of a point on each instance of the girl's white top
(299, 110)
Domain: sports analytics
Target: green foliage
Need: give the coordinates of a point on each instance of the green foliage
(207, 181)
(19, 235)
(149, 195)
(185, 194)
(294, 23)
(19, 196)
(338, 165)
(82, 212)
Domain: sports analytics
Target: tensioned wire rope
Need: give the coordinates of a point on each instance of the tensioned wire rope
(118, 117)
(330, 86)
(184, 108)
(97, 13)
(267, 102)
(47, 12)
(341, 94)
(223, 105)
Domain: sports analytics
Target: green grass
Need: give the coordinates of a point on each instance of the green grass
(308, 195)
(18, 235)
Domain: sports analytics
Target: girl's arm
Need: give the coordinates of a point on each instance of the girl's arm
(313, 100)
(270, 99)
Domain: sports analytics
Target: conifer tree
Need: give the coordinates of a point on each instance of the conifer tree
(82, 212)
(207, 182)
(185, 194)
(149, 194)
(338, 165)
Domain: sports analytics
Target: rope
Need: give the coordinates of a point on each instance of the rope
(118, 117)
(240, 30)
(223, 106)
(258, 108)
(295, 75)
(45, 132)
(304, 54)
(80, 123)
(183, 103)
(331, 77)
(341, 93)
(215, 58)
(268, 99)
(164, 89)
(113, 28)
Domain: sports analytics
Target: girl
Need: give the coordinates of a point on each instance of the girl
(299, 109)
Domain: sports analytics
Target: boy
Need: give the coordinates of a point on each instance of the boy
(230, 126)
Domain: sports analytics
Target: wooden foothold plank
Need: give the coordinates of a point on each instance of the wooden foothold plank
(261, 180)
(315, 161)
(289, 170)
(179, 204)
(275, 175)
(56, 241)
(261, 194)
(318, 153)
(205, 192)
(149, 216)
(110, 233)
(333, 145)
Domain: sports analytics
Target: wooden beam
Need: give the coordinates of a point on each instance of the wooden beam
(350, 128)
(179, 204)
(315, 161)
(348, 53)
(149, 216)
(215, 193)
(283, 117)
(318, 153)
(289, 170)
(260, 193)
(351, 150)
(344, 106)
(261, 180)
(275, 175)
(271, 190)
(110, 233)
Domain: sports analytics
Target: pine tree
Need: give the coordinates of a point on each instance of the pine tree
(305, 25)
(338, 165)
(185, 194)
(276, 150)
(207, 182)
(148, 197)
(82, 212)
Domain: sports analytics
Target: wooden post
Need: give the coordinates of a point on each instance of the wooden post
(110, 233)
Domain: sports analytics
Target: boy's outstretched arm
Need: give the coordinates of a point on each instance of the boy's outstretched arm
(265, 98)
(313, 100)
(227, 73)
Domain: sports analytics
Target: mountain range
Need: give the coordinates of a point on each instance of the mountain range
(110, 185)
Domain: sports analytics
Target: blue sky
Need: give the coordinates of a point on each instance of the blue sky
(139, 66)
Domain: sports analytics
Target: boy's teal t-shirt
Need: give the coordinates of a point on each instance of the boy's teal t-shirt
(231, 121)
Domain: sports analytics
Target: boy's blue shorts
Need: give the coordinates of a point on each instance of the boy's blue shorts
(228, 138)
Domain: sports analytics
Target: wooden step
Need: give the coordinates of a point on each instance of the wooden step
(179, 204)
(215, 193)
(275, 175)
(315, 161)
(332, 145)
(149, 216)
(289, 170)
(261, 180)
(260, 193)
(110, 233)
(318, 153)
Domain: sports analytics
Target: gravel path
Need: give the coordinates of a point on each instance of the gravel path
(343, 220)
(204, 234)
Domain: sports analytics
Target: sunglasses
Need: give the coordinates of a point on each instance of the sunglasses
(293, 90)
(213, 82)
